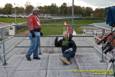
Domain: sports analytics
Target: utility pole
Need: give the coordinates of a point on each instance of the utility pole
(15, 12)
(72, 12)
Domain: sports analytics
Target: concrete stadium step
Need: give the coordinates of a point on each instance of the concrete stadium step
(50, 64)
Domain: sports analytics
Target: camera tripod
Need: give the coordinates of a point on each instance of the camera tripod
(112, 63)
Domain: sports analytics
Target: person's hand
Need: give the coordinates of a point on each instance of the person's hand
(41, 33)
(32, 32)
(56, 37)
(33, 35)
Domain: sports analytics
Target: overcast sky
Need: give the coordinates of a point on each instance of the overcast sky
(85, 3)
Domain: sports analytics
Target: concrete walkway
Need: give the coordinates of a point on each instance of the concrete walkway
(50, 65)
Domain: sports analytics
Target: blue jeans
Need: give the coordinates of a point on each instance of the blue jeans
(69, 53)
(35, 45)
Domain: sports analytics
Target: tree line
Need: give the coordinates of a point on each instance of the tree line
(53, 9)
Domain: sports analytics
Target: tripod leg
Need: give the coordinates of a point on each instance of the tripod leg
(102, 57)
(114, 68)
(1, 59)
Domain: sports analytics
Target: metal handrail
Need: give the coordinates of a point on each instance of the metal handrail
(3, 59)
(5, 25)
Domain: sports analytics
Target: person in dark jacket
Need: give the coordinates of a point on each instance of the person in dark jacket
(68, 47)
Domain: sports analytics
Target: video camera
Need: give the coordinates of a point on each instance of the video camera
(108, 40)
(110, 19)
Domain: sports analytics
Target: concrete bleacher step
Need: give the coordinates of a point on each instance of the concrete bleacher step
(50, 64)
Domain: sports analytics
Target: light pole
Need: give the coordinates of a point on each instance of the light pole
(72, 12)
(15, 12)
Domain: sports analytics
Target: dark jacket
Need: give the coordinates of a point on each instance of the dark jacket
(70, 44)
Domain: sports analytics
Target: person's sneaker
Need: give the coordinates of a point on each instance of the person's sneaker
(37, 58)
(65, 61)
(28, 58)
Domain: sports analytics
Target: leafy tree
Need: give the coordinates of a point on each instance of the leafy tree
(99, 13)
(63, 9)
(53, 9)
(20, 10)
(89, 11)
(28, 9)
(1, 10)
(46, 9)
(8, 9)
(78, 10)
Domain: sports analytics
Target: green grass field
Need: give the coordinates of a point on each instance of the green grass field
(52, 27)
(57, 27)
(12, 20)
